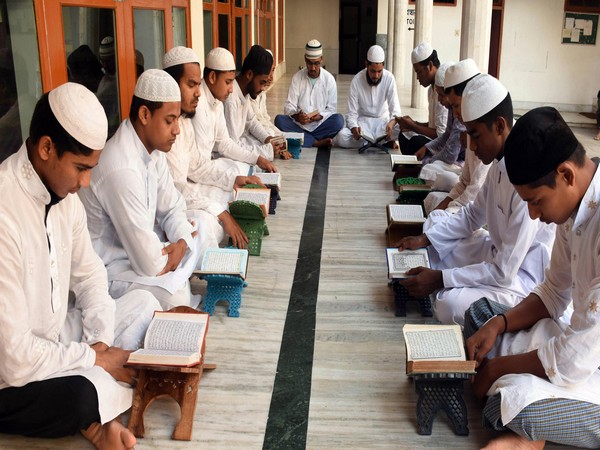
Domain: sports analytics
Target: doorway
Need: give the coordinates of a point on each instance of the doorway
(496, 38)
(358, 26)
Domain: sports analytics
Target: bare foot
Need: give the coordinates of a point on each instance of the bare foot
(512, 441)
(327, 143)
(597, 137)
(110, 436)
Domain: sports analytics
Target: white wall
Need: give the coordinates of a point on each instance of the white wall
(537, 68)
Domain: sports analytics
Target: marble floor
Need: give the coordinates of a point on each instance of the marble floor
(317, 358)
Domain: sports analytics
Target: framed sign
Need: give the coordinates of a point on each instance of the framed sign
(580, 28)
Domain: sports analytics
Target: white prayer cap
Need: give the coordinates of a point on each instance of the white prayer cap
(221, 59)
(482, 94)
(459, 72)
(179, 55)
(440, 74)
(107, 47)
(421, 52)
(376, 54)
(80, 113)
(156, 85)
(313, 49)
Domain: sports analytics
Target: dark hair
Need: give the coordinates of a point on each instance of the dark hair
(44, 123)
(207, 70)
(178, 70)
(137, 103)
(577, 157)
(503, 109)
(258, 60)
(433, 58)
(84, 68)
(459, 88)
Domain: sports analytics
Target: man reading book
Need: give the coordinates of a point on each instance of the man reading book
(503, 262)
(60, 367)
(538, 368)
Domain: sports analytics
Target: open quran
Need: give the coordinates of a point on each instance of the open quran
(260, 196)
(172, 339)
(225, 261)
(402, 221)
(435, 349)
(402, 160)
(270, 178)
(401, 261)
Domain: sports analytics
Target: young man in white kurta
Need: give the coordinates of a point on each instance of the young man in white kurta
(541, 373)
(135, 213)
(372, 104)
(48, 253)
(503, 263)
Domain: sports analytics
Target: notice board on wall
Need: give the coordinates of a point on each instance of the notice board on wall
(580, 28)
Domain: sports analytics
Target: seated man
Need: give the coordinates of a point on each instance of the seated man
(206, 187)
(415, 135)
(259, 104)
(242, 124)
(59, 372)
(538, 367)
(474, 171)
(372, 104)
(135, 215)
(313, 91)
(468, 262)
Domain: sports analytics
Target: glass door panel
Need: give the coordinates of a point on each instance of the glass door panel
(179, 27)
(149, 36)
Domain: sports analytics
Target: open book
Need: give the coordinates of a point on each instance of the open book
(261, 197)
(435, 349)
(226, 261)
(372, 139)
(403, 220)
(403, 160)
(172, 339)
(401, 261)
(313, 114)
(270, 178)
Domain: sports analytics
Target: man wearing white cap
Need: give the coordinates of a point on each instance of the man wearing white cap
(209, 121)
(205, 185)
(415, 135)
(313, 92)
(259, 104)
(242, 124)
(372, 104)
(136, 216)
(61, 357)
(502, 264)
(108, 89)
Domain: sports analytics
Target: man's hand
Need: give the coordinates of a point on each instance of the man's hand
(112, 359)
(422, 281)
(278, 147)
(406, 123)
(444, 203)
(356, 132)
(175, 253)
(389, 128)
(241, 181)
(316, 118)
(265, 164)
(413, 242)
(480, 344)
(420, 154)
(233, 230)
(301, 117)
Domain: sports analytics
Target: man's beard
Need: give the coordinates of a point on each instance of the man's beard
(371, 82)
(188, 115)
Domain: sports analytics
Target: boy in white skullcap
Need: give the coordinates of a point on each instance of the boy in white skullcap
(414, 135)
(372, 104)
(313, 91)
(136, 216)
(538, 362)
(503, 263)
(206, 186)
(61, 359)
(209, 122)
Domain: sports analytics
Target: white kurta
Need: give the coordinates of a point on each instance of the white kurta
(570, 353)
(370, 108)
(134, 210)
(259, 106)
(46, 258)
(505, 264)
(438, 113)
(243, 126)
(305, 96)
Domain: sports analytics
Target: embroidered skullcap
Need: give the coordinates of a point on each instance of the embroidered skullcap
(179, 55)
(482, 94)
(156, 85)
(538, 142)
(460, 72)
(220, 59)
(313, 49)
(80, 113)
(440, 74)
(421, 52)
(107, 47)
(376, 54)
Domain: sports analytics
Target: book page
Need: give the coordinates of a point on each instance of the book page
(224, 261)
(183, 334)
(406, 213)
(400, 262)
(257, 196)
(404, 159)
(267, 178)
(434, 342)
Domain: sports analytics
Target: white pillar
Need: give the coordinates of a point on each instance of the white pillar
(400, 7)
(423, 33)
(476, 28)
(390, 35)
